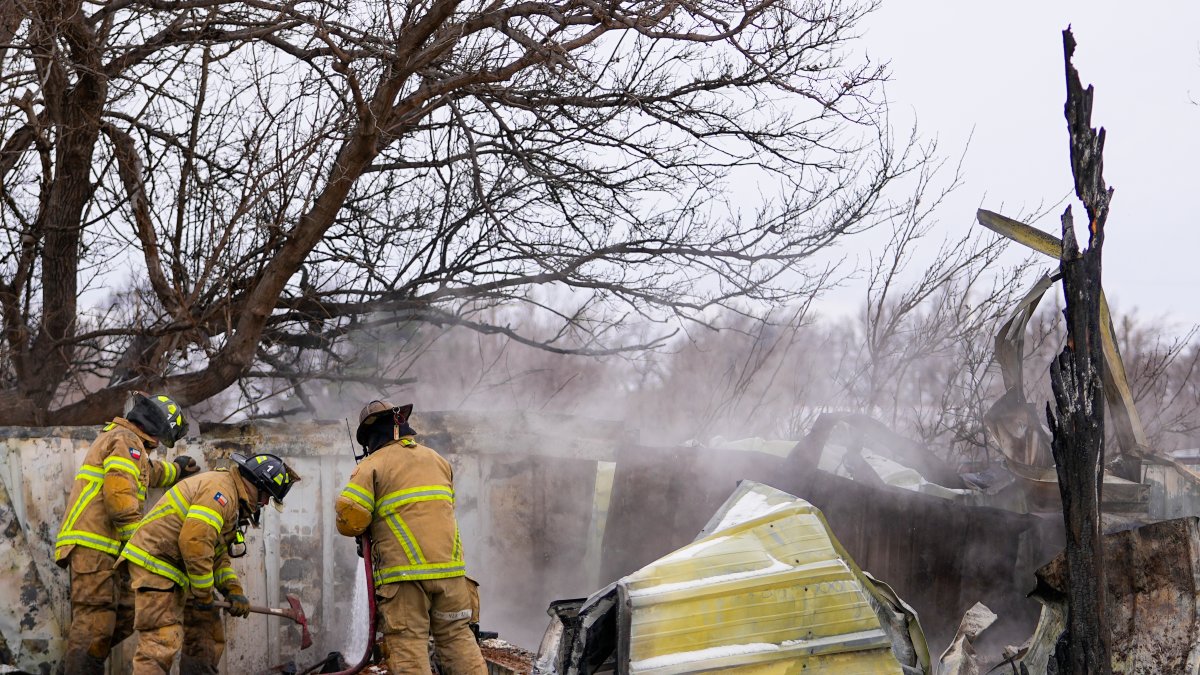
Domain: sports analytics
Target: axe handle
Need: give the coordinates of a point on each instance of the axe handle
(285, 613)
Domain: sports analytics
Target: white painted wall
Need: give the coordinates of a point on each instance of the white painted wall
(299, 551)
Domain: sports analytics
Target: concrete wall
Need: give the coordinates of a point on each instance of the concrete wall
(532, 504)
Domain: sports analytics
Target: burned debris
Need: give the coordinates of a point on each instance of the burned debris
(765, 583)
(1151, 600)
(850, 549)
(1055, 473)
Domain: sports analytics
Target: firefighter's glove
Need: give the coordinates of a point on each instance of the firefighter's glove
(187, 466)
(239, 605)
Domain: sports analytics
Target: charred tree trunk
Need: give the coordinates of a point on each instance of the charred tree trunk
(1076, 378)
(1078, 446)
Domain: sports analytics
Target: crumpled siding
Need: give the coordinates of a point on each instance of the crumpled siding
(768, 590)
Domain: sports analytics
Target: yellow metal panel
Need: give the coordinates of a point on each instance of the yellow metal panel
(774, 594)
(774, 660)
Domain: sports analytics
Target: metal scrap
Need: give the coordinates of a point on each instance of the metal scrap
(960, 658)
(766, 584)
(1124, 415)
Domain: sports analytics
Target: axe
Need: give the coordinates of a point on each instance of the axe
(295, 613)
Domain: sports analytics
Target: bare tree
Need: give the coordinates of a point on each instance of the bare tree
(1163, 373)
(773, 376)
(200, 193)
(924, 338)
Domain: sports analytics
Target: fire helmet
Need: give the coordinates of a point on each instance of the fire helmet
(266, 472)
(376, 411)
(158, 416)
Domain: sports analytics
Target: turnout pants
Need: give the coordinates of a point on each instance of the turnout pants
(101, 610)
(168, 623)
(408, 612)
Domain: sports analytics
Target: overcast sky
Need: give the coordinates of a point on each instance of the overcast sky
(997, 69)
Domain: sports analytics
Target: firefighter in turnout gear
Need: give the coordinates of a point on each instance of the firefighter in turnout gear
(181, 553)
(103, 510)
(402, 496)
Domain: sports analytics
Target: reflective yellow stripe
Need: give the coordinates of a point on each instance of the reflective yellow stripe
(89, 472)
(89, 493)
(122, 464)
(412, 548)
(87, 540)
(205, 581)
(93, 476)
(163, 509)
(156, 565)
(225, 575)
(181, 505)
(360, 496)
(417, 572)
(173, 502)
(126, 531)
(170, 471)
(402, 537)
(423, 493)
(444, 489)
(207, 515)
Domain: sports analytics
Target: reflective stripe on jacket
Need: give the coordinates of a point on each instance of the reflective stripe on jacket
(106, 499)
(404, 494)
(184, 537)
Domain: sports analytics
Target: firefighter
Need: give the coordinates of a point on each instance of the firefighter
(103, 509)
(402, 495)
(181, 552)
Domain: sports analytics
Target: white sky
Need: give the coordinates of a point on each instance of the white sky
(997, 68)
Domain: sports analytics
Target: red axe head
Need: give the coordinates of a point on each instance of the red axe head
(297, 613)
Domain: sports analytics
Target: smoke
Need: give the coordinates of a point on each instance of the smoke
(924, 369)
(767, 378)
(757, 377)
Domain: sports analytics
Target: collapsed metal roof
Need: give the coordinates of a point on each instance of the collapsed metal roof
(766, 587)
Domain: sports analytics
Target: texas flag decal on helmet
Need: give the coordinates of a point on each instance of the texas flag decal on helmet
(220, 499)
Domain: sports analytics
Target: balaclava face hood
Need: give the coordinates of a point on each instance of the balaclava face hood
(381, 422)
(382, 432)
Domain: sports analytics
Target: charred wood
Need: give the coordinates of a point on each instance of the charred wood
(1077, 424)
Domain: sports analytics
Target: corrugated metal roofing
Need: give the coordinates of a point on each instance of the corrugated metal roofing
(768, 590)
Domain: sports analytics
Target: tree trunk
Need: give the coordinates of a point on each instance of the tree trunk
(75, 89)
(1076, 379)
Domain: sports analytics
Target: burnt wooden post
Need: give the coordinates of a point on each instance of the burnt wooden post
(1075, 376)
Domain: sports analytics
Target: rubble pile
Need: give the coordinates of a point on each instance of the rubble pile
(504, 658)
